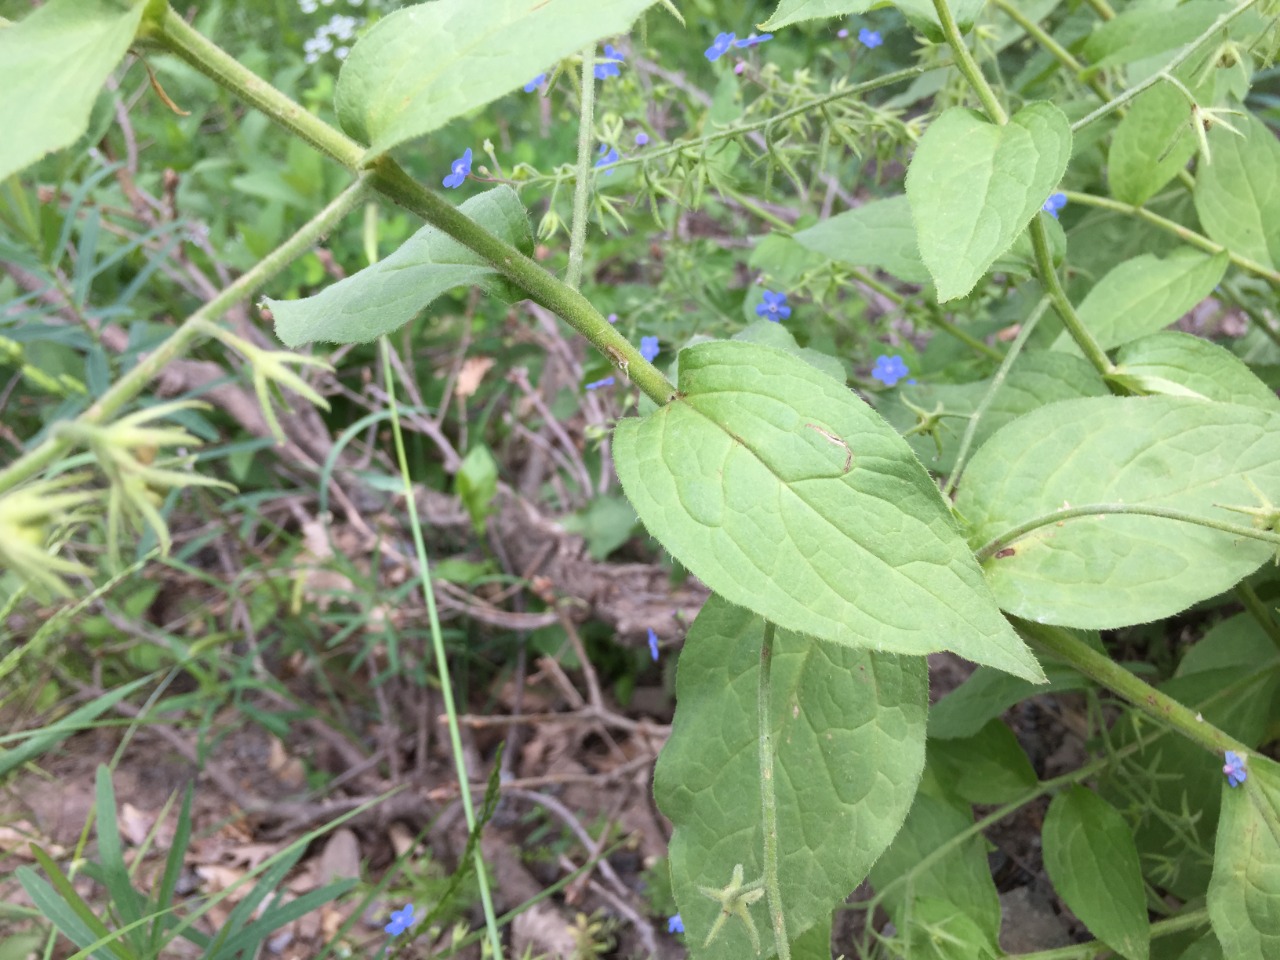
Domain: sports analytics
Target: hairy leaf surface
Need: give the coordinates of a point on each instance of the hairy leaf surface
(848, 736)
(786, 494)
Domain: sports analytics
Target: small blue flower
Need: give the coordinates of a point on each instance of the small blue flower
(597, 384)
(460, 169)
(774, 307)
(1234, 768)
(753, 40)
(642, 139)
(608, 155)
(1055, 203)
(535, 83)
(889, 370)
(722, 45)
(870, 38)
(649, 348)
(609, 68)
(675, 924)
(653, 647)
(401, 920)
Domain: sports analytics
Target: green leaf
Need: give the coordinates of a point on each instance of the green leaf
(1151, 144)
(988, 767)
(477, 485)
(1093, 862)
(876, 234)
(987, 694)
(115, 873)
(1206, 948)
(1034, 380)
(52, 65)
(927, 862)
(1114, 570)
(797, 11)
(1238, 641)
(606, 524)
(786, 494)
(848, 734)
(813, 944)
(1138, 34)
(1146, 294)
(939, 930)
(975, 185)
(1238, 194)
(923, 16)
(385, 296)
(1180, 364)
(1244, 894)
(423, 65)
(772, 334)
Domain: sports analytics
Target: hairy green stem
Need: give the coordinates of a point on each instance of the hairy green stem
(1182, 57)
(1177, 229)
(1103, 670)
(1014, 534)
(437, 647)
(997, 382)
(1057, 50)
(582, 184)
(1092, 351)
(194, 328)
(391, 180)
(969, 66)
(1259, 611)
(773, 890)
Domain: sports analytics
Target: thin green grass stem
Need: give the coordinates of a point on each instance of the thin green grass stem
(437, 647)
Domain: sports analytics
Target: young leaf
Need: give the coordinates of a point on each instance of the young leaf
(1244, 894)
(1151, 144)
(848, 734)
(988, 767)
(926, 862)
(1238, 194)
(477, 485)
(987, 694)
(52, 65)
(876, 234)
(786, 494)
(1093, 862)
(974, 185)
(423, 65)
(385, 296)
(797, 11)
(1178, 363)
(1106, 571)
(1146, 294)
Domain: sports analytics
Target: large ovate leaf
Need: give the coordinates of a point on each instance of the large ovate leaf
(988, 767)
(786, 494)
(1244, 894)
(1182, 365)
(1137, 34)
(975, 185)
(847, 730)
(1109, 570)
(1092, 860)
(385, 296)
(1146, 294)
(1238, 194)
(928, 861)
(423, 65)
(52, 65)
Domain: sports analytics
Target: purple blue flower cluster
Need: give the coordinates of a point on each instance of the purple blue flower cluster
(401, 920)
(889, 370)
(724, 42)
(609, 67)
(459, 170)
(773, 307)
(1055, 203)
(675, 924)
(1234, 768)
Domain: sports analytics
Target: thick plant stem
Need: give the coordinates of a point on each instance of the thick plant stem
(1103, 670)
(773, 890)
(1062, 304)
(391, 180)
(583, 181)
(438, 651)
(969, 66)
(194, 328)
(1014, 534)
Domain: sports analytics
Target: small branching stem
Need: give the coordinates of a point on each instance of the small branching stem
(583, 181)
